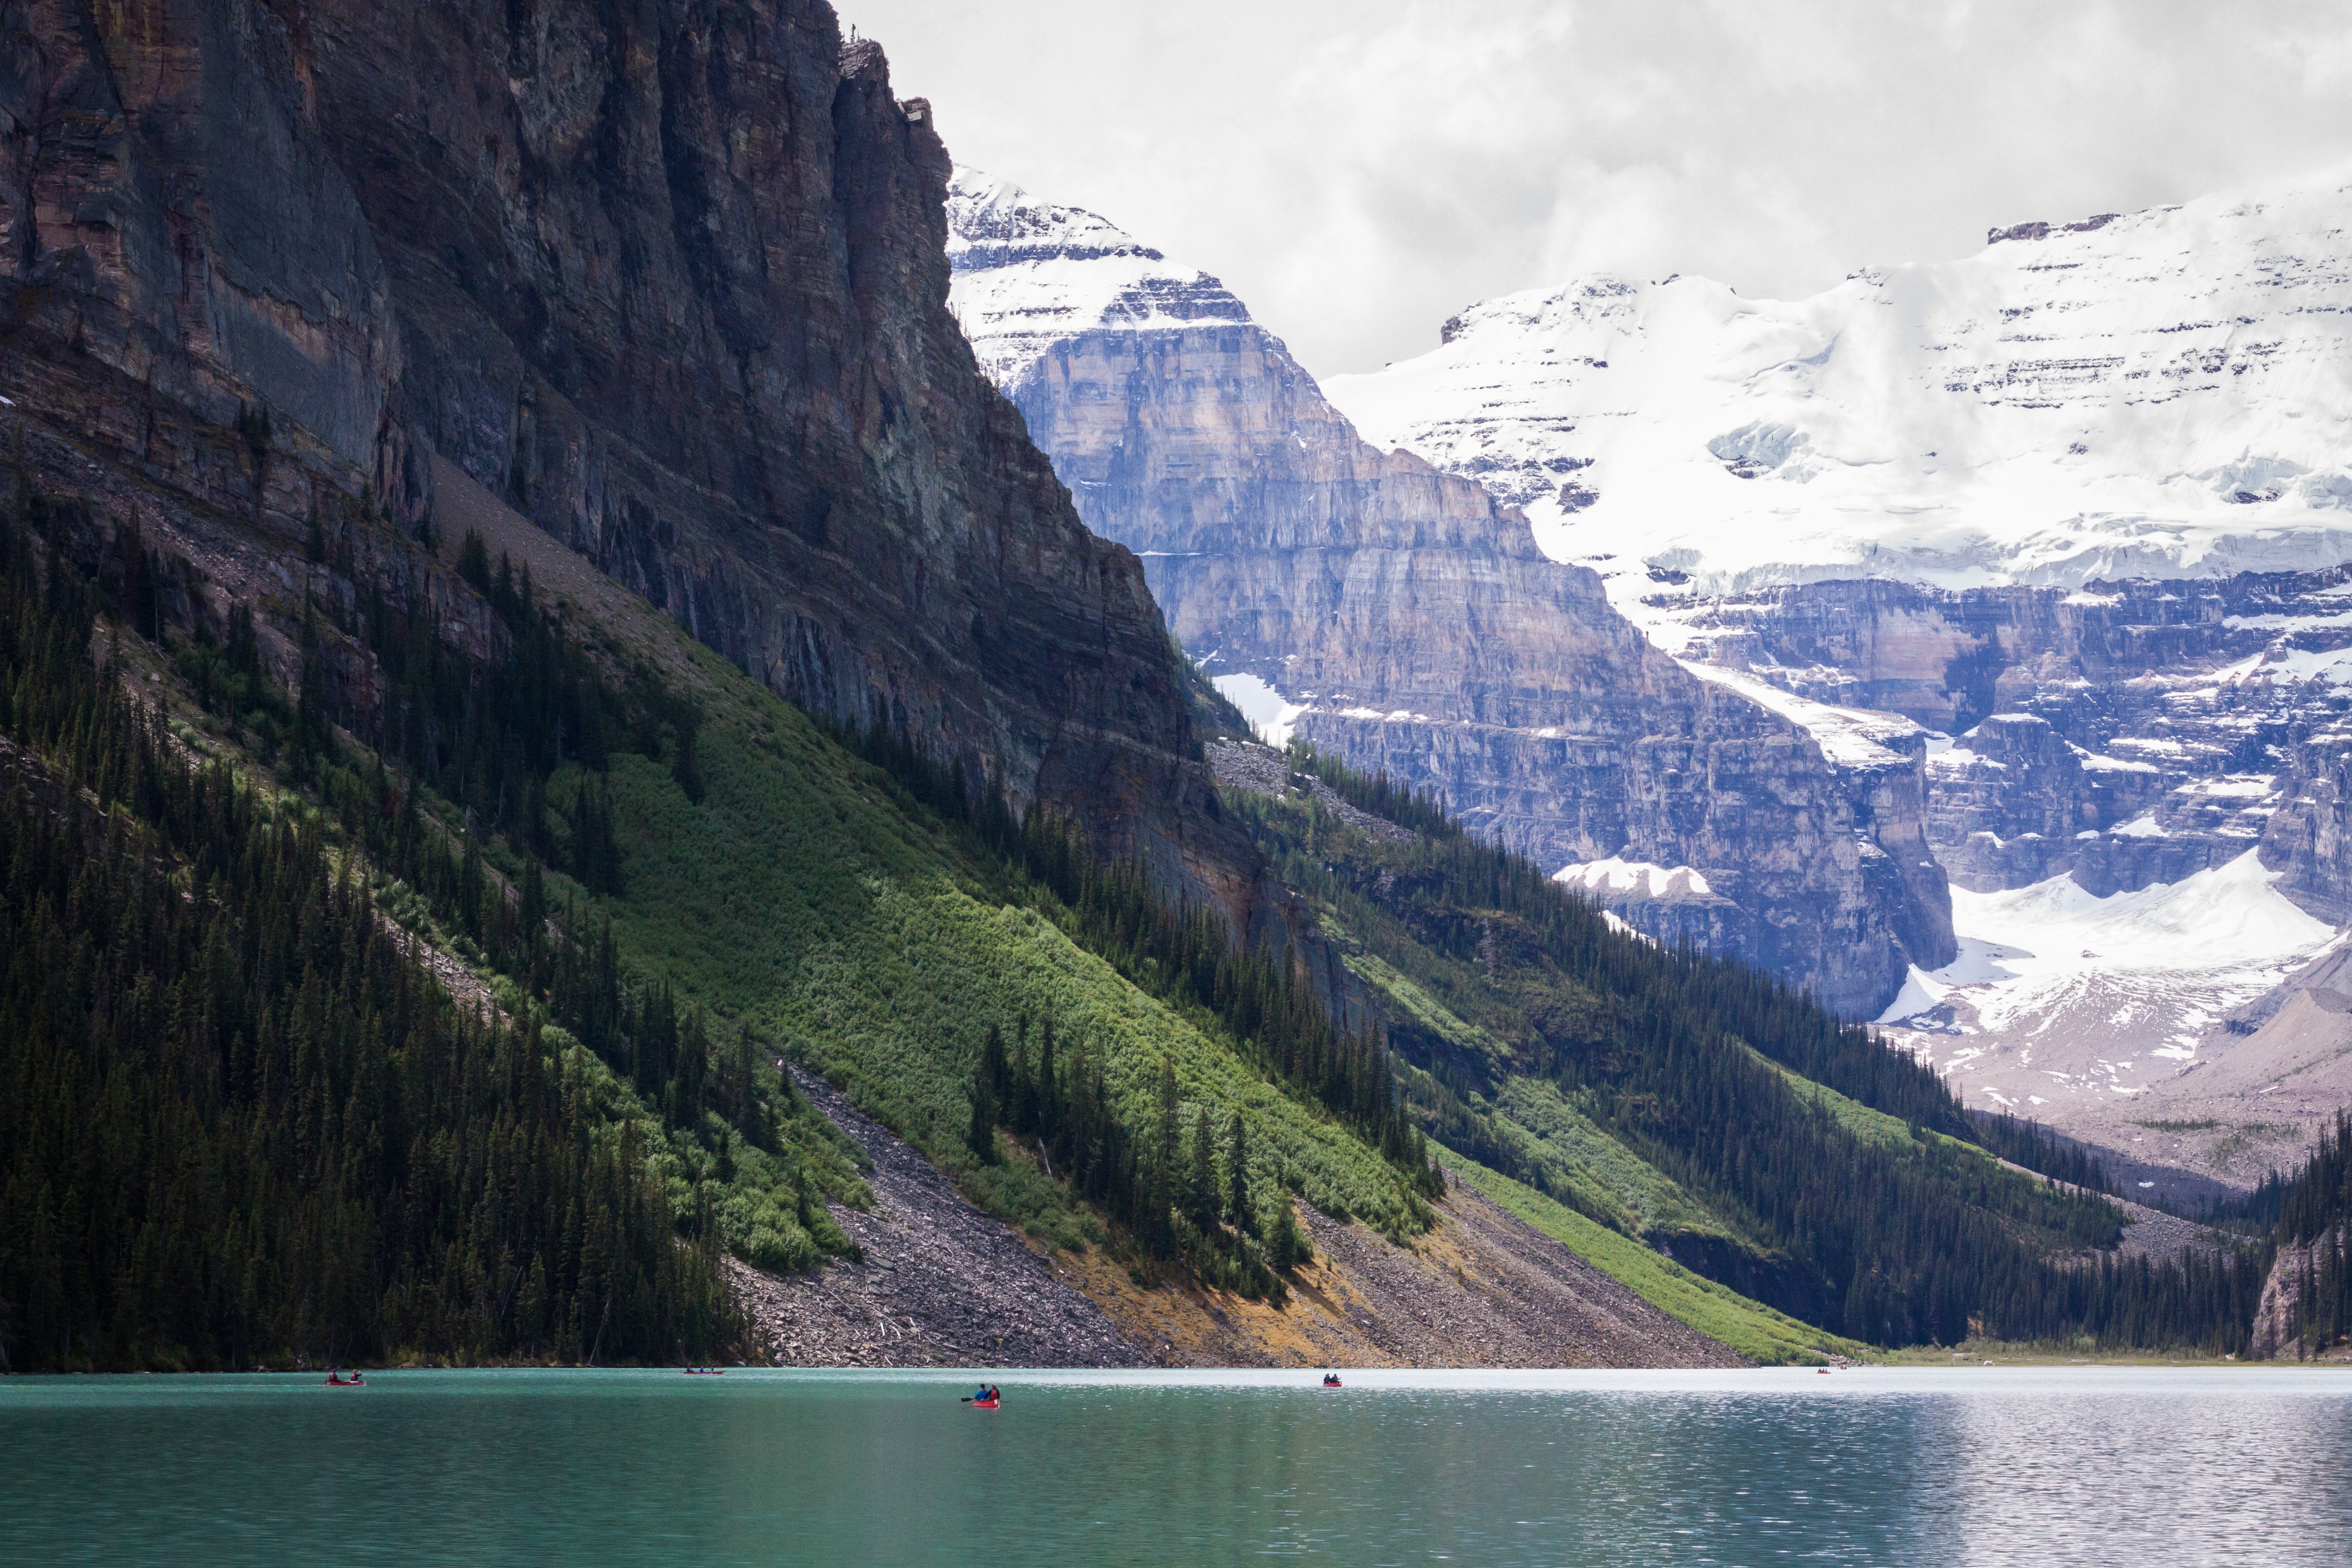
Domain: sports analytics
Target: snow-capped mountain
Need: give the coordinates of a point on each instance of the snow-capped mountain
(2079, 504)
(1030, 274)
(2162, 394)
(1405, 619)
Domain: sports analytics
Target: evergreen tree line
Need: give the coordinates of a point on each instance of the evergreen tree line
(1171, 950)
(2025, 1142)
(1191, 1199)
(1421, 810)
(1671, 1051)
(490, 735)
(2254, 1213)
(2201, 1300)
(244, 1126)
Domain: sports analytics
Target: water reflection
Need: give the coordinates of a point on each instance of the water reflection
(1989, 1467)
(2195, 1467)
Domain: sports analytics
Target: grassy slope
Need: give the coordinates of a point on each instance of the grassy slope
(1581, 1155)
(1755, 1331)
(1578, 1157)
(1580, 1160)
(1606, 1177)
(803, 896)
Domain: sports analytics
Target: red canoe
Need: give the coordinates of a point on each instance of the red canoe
(334, 1382)
(983, 1405)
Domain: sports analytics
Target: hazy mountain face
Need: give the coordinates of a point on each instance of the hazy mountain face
(2159, 394)
(1407, 619)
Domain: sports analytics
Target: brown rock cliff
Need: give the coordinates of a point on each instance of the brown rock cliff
(668, 277)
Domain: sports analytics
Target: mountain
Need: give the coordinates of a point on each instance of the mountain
(674, 289)
(2075, 506)
(1405, 621)
(525, 636)
(2153, 396)
(576, 791)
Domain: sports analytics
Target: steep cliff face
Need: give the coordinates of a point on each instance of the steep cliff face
(1410, 624)
(2276, 1331)
(2310, 833)
(2125, 734)
(670, 280)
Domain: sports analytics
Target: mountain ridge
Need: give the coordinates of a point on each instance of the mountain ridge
(2072, 505)
(1413, 625)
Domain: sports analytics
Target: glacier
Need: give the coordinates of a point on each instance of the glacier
(2163, 394)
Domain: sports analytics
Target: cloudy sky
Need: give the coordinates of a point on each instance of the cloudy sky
(1358, 169)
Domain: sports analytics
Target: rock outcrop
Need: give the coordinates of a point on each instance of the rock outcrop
(669, 280)
(1413, 625)
(2277, 1331)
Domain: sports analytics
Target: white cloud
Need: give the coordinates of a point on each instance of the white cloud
(1358, 169)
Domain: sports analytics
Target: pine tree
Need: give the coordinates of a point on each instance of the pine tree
(987, 1083)
(1239, 1209)
(1205, 1202)
(1286, 1247)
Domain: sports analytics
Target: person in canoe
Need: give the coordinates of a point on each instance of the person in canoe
(1330, 1380)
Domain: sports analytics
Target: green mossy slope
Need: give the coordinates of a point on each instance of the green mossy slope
(805, 896)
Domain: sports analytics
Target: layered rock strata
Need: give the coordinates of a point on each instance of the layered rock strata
(2123, 733)
(670, 282)
(1414, 626)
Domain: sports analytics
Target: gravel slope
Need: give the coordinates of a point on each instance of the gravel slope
(941, 1284)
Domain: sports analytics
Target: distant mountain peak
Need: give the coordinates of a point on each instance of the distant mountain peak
(1032, 273)
(2161, 394)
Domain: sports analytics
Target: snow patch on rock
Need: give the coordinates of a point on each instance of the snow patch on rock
(1267, 711)
(1615, 880)
(1029, 274)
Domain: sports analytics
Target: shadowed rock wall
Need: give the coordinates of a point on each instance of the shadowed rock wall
(669, 278)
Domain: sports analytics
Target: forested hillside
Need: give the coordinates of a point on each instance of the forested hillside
(1710, 1112)
(243, 1121)
(256, 1129)
(658, 881)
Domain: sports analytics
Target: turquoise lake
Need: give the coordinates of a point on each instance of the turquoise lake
(1916, 1466)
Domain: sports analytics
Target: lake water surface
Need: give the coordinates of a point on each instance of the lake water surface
(1923, 1466)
